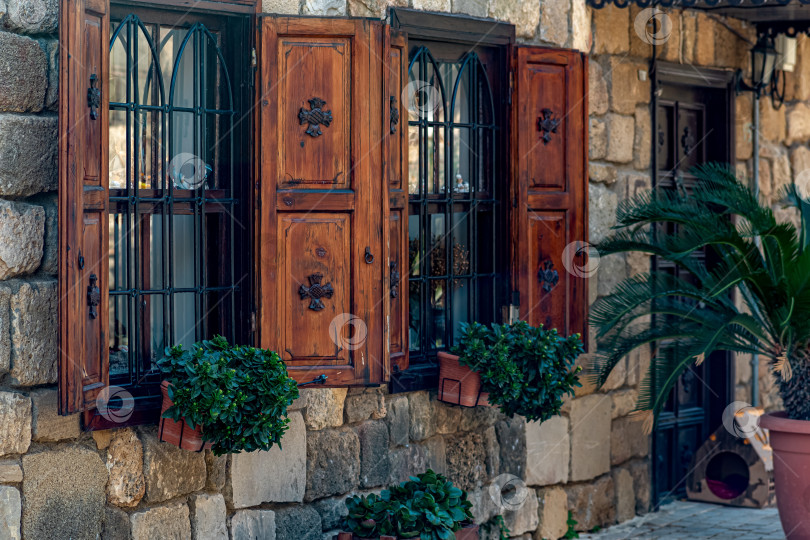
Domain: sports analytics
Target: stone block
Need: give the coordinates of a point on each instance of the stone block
(478, 418)
(436, 454)
(331, 510)
(493, 449)
(398, 420)
(580, 26)
(15, 423)
(126, 485)
(333, 463)
(628, 440)
(5, 329)
(797, 84)
(25, 74)
(597, 89)
(688, 31)
(484, 505)
(800, 163)
(772, 122)
(407, 461)
(31, 16)
(324, 407)
(625, 499)
(524, 518)
(10, 471)
(590, 436)
(640, 471)
(216, 474)
(547, 452)
(642, 142)
(524, 15)
(67, 482)
(22, 238)
(116, 524)
(512, 442)
(33, 332)
(466, 460)
(48, 425)
(626, 90)
(553, 513)
(374, 464)
(597, 138)
(476, 8)
(610, 277)
(10, 512)
(798, 123)
(208, 516)
(27, 154)
(277, 475)
(103, 438)
(281, 7)
(169, 471)
(446, 417)
(369, 404)
(611, 30)
(603, 203)
(51, 47)
(704, 45)
(420, 412)
(324, 8)
(253, 525)
(742, 126)
(591, 504)
(169, 522)
(554, 21)
(620, 138)
(299, 522)
(50, 250)
(624, 402)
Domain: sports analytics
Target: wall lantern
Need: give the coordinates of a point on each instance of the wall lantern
(766, 79)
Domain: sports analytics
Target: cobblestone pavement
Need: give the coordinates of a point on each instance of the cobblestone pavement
(682, 520)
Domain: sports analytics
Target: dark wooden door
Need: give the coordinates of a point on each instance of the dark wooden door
(692, 127)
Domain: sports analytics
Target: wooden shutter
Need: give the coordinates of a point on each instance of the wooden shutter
(83, 202)
(550, 195)
(395, 206)
(320, 229)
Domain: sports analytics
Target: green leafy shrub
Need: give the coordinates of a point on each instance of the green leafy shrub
(238, 394)
(428, 507)
(526, 370)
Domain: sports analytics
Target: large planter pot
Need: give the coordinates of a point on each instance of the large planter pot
(470, 532)
(459, 384)
(178, 433)
(790, 440)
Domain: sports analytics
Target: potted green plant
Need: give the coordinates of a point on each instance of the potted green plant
(233, 398)
(766, 263)
(428, 507)
(521, 369)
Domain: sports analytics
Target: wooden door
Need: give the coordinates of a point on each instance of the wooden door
(550, 194)
(320, 247)
(692, 127)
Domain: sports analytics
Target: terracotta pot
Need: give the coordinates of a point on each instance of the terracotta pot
(470, 532)
(179, 433)
(459, 384)
(790, 440)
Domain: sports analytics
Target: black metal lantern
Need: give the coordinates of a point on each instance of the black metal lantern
(763, 63)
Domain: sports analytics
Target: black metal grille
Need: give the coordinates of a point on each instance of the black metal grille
(173, 192)
(454, 225)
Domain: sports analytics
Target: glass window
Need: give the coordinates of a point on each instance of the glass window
(457, 236)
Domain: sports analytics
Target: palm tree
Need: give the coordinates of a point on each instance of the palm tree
(767, 265)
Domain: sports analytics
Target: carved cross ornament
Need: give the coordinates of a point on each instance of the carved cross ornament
(548, 276)
(547, 124)
(394, 114)
(316, 291)
(93, 296)
(94, 97)
(315, 117)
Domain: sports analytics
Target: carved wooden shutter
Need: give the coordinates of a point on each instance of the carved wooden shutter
(550, 142)
(83, 203)
(395, 207)
(320, 229)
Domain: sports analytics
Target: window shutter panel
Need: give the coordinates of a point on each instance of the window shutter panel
(395, 206)
(550, 224)
(320, 226)
(83, 203)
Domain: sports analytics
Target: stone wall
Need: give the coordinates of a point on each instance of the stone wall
(59, 482)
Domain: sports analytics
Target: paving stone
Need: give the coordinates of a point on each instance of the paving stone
(276, 475)
(253, 525)
(67, 482)
(169, 522)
